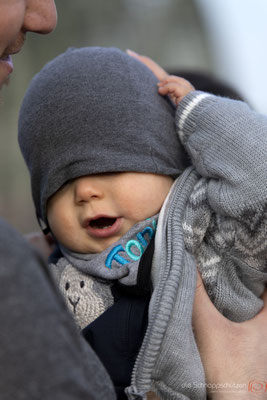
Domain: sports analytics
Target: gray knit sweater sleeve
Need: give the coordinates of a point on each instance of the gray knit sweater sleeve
(225, 218)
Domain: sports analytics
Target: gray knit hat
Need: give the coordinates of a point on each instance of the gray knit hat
(93, 110)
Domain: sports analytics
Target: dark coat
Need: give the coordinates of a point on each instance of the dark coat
(116, 335)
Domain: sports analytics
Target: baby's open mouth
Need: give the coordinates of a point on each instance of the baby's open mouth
(102, 223)
(103, 226)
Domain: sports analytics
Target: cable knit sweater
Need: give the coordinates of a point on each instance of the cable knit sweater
(214, 217)
(225, 219)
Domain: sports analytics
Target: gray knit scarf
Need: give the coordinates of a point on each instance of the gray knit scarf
(85, 280)
(120, 261)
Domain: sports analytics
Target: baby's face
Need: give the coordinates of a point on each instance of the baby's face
(92, 212)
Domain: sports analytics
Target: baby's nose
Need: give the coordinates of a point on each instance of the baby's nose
(87, 189)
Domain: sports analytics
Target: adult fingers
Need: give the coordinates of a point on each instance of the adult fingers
(157, 70)
(264, 298)
(204, 311)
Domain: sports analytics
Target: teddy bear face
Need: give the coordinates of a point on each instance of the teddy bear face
(86, 297)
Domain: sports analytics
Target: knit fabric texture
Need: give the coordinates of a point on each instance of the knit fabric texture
(86, 296)
(42, 354)
(120, 261)
(85, 280)
(214, 217)
(225, 220)
(94, 110)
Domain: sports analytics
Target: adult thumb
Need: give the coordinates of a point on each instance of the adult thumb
(204, 311)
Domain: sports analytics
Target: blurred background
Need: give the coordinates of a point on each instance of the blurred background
(223, 39)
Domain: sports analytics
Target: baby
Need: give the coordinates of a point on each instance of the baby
(108, 172)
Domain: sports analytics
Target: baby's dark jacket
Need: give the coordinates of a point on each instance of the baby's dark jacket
(117, 334)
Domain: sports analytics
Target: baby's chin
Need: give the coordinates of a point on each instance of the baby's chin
(5, 82)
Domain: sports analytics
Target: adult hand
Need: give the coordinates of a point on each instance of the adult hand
(43, 244)
(173, 86)
(159, 72)
(232, 353)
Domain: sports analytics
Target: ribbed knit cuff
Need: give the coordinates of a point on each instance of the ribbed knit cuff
(187, 113)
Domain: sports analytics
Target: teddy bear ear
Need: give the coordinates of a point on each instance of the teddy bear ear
(56, 272)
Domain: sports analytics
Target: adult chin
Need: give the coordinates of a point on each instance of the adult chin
(4, 82)
(6, 68)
